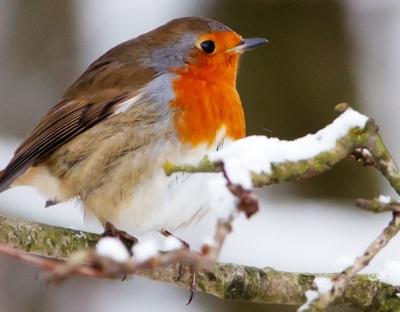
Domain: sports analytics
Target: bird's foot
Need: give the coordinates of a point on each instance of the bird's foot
(192, 271)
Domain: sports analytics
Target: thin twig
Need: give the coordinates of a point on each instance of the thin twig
(341, 280)
(377, 206)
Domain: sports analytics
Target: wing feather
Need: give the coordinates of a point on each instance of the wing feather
(91, 99)
(55, 129)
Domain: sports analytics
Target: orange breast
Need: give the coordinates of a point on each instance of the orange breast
(207, 100)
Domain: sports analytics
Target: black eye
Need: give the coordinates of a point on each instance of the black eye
(208, 46)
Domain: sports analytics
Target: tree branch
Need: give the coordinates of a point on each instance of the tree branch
(225, 281)
(42, 239)
(266, 285)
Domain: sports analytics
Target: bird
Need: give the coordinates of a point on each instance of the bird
(168, 95)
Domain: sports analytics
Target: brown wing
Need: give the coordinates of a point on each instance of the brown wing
(57, 128)
(93, 97)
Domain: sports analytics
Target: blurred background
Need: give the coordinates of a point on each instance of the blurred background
(321, 53)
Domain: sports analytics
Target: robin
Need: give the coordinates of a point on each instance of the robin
(167, 95)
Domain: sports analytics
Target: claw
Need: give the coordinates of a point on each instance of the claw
(193, 278)
(193, 284)
(190, 298)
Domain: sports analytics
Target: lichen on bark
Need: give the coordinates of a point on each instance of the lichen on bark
(42, 239)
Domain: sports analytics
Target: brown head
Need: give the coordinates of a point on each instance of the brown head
(203, 55)
(182, 41)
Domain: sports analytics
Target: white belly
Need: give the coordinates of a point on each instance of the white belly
(165, 203)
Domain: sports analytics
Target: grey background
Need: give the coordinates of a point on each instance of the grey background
(320, 53)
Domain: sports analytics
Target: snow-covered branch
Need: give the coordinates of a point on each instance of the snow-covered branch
(259, 160)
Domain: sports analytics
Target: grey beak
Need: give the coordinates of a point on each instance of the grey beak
(248, 44)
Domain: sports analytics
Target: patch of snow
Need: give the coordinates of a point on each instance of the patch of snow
(172, 243)
(311, 296)
(384, 199)
(112, 248)
(145, 250)
(324, 284)
(390, 273)
(222, 201)
(366, 153)
(258, 153)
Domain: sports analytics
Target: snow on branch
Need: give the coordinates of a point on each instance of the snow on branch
(247, 163)
(259, 160)
(259, 154)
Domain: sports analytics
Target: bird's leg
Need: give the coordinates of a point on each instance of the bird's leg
(185, 244)
(193, 275)
(127, 239)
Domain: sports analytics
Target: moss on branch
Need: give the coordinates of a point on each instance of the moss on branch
(266, 285)
(45, 240)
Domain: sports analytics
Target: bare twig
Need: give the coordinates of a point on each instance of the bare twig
(341, 280)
